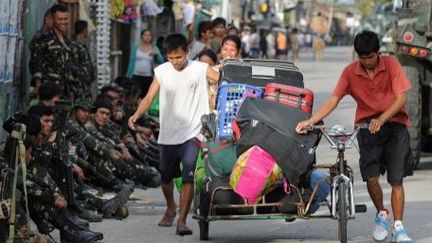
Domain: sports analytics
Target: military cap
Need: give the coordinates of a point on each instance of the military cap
(102, 101)
(83, 103)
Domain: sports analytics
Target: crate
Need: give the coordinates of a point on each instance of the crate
(230, 97)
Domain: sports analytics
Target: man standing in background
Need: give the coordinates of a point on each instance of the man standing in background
(82, 65)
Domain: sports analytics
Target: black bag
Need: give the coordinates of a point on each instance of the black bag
(272, 127)
(281, 118)
(258, 72)
(220, 197)
(295, 159)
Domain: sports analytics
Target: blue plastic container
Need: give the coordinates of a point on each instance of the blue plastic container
(230, 97)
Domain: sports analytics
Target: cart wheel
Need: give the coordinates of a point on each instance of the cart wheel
(342, 212)
(204, 229)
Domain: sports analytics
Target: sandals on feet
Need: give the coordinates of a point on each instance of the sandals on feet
(183, 230)
(167, 220)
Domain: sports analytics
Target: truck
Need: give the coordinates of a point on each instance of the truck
(413, 48)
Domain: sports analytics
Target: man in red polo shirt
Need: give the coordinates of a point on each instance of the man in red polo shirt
(378, 84)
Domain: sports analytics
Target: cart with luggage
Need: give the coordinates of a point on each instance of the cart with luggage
(256, 165)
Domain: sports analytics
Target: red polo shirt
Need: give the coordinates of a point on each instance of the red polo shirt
(374, 95)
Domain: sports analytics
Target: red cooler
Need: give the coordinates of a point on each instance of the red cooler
(290, 96)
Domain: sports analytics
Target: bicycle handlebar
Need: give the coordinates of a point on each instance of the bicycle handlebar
(337, 135)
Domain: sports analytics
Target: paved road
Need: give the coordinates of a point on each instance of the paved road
(147, 207)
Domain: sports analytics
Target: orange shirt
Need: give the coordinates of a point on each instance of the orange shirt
(281, 41)
(376, 95)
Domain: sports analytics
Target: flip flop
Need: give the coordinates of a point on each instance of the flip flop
(183, 230)
(167, 220)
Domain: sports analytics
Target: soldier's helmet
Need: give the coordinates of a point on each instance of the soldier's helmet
(83, 103)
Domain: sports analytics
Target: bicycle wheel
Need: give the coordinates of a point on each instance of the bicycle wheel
(342, 212)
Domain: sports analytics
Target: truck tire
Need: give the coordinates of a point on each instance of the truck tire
(414, 111)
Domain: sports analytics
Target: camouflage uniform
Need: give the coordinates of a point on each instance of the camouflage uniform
(90, 149)
(41, 187)
(34, 63)
(82, 67)
(51, 61)
(132, 169)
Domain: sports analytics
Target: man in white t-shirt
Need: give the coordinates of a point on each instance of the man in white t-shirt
(183, 99)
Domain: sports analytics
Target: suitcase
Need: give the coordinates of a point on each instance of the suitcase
(261, 72)
(290, 96)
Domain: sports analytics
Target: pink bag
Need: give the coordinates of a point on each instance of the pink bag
(254, 174)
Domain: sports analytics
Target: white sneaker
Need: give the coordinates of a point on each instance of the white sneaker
(399, 234)
(382, 226)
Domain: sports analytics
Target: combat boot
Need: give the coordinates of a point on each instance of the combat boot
(76, 220)
(85, 214)
(71, 234)
(109, 207)
(122, 212)
(118, 185)
(72, 220)
(151, 177)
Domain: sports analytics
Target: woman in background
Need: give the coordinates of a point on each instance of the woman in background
(142, 61)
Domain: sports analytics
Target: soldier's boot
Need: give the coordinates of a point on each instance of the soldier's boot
(122, 212)
(71, 220)
(85, 214)
(71, 232)
(118, 185)
(109, 207)
(150, 177)
(76, 220)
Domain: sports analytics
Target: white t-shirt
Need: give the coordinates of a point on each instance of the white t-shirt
(183, 99)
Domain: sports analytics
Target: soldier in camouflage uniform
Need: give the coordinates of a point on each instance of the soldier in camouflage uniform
(49, 204)
(82, 67)
(36, 42)
(117, 130)
(51, 60)
(101, 166)
(126, 164)
(23, 233)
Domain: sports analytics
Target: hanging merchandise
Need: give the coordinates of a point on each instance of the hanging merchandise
(117, 8)
(129, 15)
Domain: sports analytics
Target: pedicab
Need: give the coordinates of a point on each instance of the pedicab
(216, 200)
